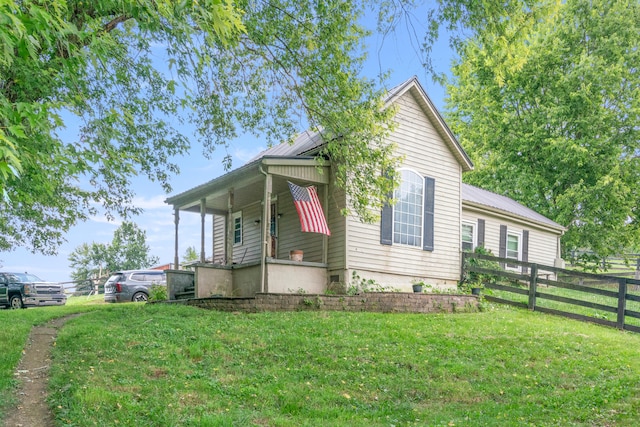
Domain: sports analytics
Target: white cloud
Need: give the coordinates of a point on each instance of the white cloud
(246, 154)
(105, 220)
(154, 202)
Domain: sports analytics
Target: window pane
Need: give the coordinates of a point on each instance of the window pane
(237, 230)
(408, 210)
(513, 244)
(467, 237)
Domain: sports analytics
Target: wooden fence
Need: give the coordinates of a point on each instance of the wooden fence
(602, 299)
(625, 265)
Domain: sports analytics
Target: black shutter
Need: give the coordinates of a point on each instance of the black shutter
(525, 249)
(480, 232)
(429, 205)
(503, 243)
(386, 225)
(386, 220)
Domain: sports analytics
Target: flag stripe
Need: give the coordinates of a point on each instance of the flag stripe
(309, 209)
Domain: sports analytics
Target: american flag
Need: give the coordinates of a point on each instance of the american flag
(307, 204)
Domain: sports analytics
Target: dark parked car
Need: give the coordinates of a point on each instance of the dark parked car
(132, 285)
(20, 290)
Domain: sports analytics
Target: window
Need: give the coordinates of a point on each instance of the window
(156, 277)
(237, 228)
(468, 236)
(513, 248)
(513, 244)
(407, 220)
(411, 220)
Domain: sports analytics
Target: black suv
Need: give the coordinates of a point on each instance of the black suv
(132, 285)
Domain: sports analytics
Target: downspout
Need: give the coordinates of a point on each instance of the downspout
(265, 207)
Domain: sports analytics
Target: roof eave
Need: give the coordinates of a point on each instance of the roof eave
(557, 229)
(231, 178)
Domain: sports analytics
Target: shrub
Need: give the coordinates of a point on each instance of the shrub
(158, 293)
(473, 279)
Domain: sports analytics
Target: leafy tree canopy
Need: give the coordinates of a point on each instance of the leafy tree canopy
(267, 67)
(545, 98)
(190, 255)
(127, 251)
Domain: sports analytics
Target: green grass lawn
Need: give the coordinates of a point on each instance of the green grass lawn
(161, 365)
(16, 325)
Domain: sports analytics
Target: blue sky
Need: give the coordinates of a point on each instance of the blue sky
(396, 53)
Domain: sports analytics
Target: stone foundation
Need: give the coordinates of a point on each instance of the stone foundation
(384, 302)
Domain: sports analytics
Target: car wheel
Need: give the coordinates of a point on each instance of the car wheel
(139, 297)
(16, 302)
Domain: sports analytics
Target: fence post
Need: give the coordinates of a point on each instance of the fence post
(622, 302)
(533, 286)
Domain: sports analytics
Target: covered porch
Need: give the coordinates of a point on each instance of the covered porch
(254, 227)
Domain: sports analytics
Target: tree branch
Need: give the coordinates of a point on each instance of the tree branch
(109, 26)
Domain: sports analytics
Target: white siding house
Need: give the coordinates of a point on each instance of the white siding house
(420, 237)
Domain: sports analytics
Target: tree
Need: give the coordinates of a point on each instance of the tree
(267, 67)
(128, 250)
(190, 255)
(89, 265)
(545, 98)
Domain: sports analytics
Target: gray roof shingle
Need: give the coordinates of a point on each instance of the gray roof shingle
(487, 198)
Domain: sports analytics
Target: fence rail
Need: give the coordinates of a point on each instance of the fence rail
(603, 299)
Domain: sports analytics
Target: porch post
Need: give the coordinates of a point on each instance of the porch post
(325, 238)
(203, 213)
(229, 242)
(266, 230)
(176, 220)
(213, 238)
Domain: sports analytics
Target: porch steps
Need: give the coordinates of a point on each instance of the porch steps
(187, 293)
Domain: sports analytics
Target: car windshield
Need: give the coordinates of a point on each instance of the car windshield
(25, 278)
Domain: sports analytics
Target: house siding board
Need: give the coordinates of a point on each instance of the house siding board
(290, 235)
(250, 249)
(337, 226)
(541, 244)
(307, 174)
(426, 153)
(218, 239)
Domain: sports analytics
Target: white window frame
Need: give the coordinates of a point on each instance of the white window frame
(518, 235)
(396, 236)
(474, 230)
(234, 217)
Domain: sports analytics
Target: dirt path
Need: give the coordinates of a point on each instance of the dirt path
(33, 375)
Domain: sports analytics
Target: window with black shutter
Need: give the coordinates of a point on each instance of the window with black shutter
(410, 221)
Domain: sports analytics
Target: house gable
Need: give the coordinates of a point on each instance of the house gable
(436, 121)
(431, 153)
